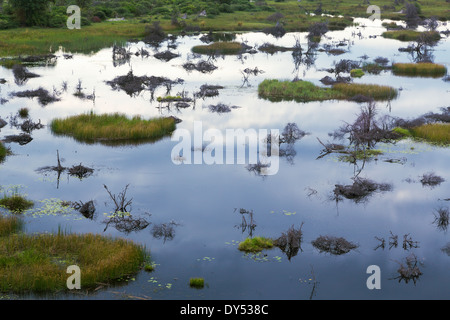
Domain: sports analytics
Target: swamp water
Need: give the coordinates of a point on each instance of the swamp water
(194, 210)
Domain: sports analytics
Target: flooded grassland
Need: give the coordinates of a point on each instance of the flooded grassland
(355, 187)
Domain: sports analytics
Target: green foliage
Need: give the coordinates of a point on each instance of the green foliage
(15, 203)
(219, 48)
(9, 225)
(3, 152)
(356, 73)
(31, 12)
(255, 244)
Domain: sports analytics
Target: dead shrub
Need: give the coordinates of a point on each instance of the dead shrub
(333, 245)
(290, 241)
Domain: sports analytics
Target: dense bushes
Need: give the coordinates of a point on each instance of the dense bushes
(48, 13)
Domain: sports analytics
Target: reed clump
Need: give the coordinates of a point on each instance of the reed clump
(9, 224)
(424, 69)
(438, 133)
(305, 91)
(4, 151)
(112, 127)
(15, 203)
(219, 48)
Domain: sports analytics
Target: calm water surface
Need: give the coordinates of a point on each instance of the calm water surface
(202, 199)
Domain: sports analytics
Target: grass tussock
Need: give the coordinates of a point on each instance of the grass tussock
(374, 91)
(38, 262)
(9, 225)
(304, 91)
(112, 127)
(219, 48)
(197, 283)
(410, 35)
(4, 151)
(356, 73)
(426, 69)
(438, 133)
(16, 203)
(255, 244)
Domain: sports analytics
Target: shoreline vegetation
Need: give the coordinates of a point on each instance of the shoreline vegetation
(37, 263)
(113, 128)
(106, 24)
(305, 91)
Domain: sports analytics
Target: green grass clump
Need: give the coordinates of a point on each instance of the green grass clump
(435, 133)
(196, 283)
(356, 73)
(115, 127)
(38, 262)
(24, 112)
(377, 92)
(300, 91)
(255, 244)
(361, 155)
(9, 225)
(220, 48)
(16, 203)
(4, 151)
(304, 91)
(402, 132)
(438, 133)
(409, 35)
(424, 69)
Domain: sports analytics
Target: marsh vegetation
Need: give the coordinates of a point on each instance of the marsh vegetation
(91, 127)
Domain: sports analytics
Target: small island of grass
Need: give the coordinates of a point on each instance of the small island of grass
(255, 244)
(15, 203)
(38, 263)
(220, 48)
(435, 133)
(113, 128)
(410, 35)
(4, 151)
(423, 69)
(197, 283)
(356, 73)
(305, 91)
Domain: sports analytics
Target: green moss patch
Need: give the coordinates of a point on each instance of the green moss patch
(255, 244)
